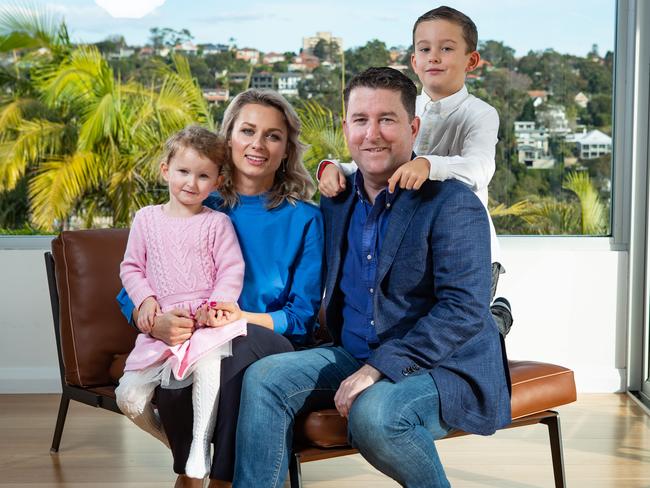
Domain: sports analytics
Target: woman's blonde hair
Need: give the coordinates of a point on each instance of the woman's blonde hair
(292, 181)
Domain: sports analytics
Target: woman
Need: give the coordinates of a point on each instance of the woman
(265, 193)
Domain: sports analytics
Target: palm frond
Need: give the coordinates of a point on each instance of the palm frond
(12, 166)
(322, 135)
(592, 211)
(128, 192)
(553, 217)
(517, 209)
(101, 121)
(24, 26)
(11, 115)
(59, 184)
(34, 140)
(83, 76)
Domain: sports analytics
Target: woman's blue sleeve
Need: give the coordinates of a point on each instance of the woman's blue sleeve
(126, 305)
(297, 318)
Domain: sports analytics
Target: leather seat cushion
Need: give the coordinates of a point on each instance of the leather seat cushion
(536, 387)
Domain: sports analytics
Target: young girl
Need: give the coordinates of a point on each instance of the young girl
(183, 255)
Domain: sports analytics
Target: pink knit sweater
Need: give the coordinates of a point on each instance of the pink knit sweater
(182, 261)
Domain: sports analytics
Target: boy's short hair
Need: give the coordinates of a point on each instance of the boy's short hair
(470, 33)
(389, 79)
(205, 142)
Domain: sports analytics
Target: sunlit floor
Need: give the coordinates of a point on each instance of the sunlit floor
(606, 444)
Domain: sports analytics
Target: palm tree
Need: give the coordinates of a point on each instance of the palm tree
(90, 145)
(322, 134)
(584, 217)
(593, 219)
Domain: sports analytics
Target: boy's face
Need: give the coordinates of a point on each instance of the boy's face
(440, 59)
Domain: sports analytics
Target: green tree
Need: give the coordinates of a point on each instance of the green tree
(324, 87)
(497, 53)
(167, 37)
(373, 53)
(201, 72)
(87, 144)
(322, 50)
(599, 110)
(528, 112)
(597, 76)
(111, 44)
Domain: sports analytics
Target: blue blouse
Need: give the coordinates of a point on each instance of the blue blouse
(283, 252)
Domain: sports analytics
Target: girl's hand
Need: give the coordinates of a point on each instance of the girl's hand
(146, 314)
(201, 315)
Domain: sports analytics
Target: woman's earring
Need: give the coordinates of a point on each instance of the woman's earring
(284, 165)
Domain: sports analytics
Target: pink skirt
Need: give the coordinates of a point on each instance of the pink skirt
(179, 360)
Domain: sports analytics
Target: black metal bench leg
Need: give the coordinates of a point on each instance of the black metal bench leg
(295, 476)
(60, 422)
(555, 437)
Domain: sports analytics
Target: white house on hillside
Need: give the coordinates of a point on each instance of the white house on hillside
(592, 144)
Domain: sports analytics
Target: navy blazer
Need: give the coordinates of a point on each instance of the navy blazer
(431, 301)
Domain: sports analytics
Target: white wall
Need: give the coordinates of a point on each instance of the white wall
(28, 360)
(568, 298)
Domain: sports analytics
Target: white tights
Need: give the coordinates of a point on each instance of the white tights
(134, 399)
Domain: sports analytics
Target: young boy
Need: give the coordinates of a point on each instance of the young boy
(458, 131)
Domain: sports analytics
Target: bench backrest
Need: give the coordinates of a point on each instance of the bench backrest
(93, 331)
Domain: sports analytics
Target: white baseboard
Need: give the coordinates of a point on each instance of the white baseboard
(30, 380)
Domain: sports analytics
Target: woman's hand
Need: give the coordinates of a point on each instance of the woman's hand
(174, 327)
(223, 313)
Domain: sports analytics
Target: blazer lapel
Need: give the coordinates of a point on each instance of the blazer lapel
(339, 225)
(402, 212)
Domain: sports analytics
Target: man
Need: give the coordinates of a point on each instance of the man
(406, 297)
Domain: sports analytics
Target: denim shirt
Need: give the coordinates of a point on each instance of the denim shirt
(365, 234)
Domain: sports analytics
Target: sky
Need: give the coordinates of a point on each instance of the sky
(571, 26)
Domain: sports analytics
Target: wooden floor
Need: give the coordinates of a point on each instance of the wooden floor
(606, 445)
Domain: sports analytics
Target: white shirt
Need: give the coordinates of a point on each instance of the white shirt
(458, 135)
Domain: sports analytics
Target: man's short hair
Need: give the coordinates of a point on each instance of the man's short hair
(470, 33)
(388, 79)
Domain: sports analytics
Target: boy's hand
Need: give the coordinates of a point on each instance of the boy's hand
(332, 181)
(223, 313)
(147, 312)
(409, 176)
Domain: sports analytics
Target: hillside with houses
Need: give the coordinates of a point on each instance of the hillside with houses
(555, 111)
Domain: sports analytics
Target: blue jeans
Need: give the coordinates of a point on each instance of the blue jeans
(392, 424)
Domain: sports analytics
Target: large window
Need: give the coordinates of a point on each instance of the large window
(83, 117)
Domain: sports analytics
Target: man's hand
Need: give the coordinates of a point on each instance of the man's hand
(146, 313)
(410, 175)
(352, 386)
(332, 181)
(174, 327)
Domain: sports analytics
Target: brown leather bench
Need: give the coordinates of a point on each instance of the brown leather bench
(93, 340)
